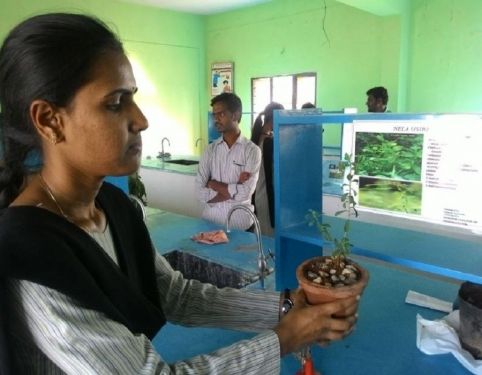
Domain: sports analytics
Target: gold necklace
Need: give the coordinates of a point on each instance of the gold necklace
(47, 189)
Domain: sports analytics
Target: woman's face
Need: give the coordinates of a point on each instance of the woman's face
(102, 124)
(268, 126)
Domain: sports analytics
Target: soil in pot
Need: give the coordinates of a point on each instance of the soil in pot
(323, 280)
(470, 302)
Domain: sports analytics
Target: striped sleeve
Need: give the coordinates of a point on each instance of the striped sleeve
(203, 176)
(58, 336)
(191, 303)
(243, 192)
(63, 337)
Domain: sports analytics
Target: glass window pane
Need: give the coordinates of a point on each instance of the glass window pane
(305, 90)
(283, 91)
(261, 94)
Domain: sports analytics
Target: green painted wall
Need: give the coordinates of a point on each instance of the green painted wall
(167, 52)
(340, 43)
(446, 56)
(428, 56)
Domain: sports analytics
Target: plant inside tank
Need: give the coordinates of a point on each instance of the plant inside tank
(337, 269)
(137, 188)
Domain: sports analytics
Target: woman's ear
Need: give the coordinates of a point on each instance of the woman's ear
(46, 120)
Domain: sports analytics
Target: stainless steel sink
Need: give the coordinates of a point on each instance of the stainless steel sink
(182, 161)
(206, 271)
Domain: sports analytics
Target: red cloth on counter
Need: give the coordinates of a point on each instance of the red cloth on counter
(211, 238)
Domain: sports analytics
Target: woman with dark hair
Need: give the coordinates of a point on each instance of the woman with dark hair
(263, 198)
(82, 289)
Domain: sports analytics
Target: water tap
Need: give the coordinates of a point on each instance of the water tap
(262, 265)
(162, 154)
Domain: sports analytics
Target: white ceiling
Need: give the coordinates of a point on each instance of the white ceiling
(199, 6)
(378, 7)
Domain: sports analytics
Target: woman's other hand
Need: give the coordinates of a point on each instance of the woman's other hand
(307, 324)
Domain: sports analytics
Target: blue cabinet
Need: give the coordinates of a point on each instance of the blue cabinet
(298, 163)
(122, 182)
(298, 179)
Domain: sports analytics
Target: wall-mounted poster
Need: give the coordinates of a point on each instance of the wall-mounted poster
(221, 78)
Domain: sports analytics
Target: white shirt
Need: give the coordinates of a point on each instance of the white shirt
(224, 164)
(53, 334)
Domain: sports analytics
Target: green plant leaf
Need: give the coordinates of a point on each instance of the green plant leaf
(347, 226)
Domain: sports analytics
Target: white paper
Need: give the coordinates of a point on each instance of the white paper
(424, 300)
(441, 337)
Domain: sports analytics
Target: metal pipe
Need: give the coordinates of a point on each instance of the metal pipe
(163, 154)
(261, 257)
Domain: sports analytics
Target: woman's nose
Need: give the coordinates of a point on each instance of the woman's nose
(139, 121)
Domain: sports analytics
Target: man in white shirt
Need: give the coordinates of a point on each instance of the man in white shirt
(229, 167)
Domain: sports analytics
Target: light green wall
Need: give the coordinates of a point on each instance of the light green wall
(390, 57)
(288, 36)
(428, 56)
(167, 52)
(446, 61)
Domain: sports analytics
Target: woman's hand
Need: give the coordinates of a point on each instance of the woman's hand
(307, 324)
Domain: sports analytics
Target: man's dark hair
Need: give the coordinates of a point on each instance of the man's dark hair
(308, 105)
(379, 92)
(230, 100)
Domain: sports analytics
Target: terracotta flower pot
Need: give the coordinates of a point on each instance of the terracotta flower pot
(470, 302)
(316, 293)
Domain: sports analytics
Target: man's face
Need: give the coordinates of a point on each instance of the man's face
(225, 120)
(374, 105)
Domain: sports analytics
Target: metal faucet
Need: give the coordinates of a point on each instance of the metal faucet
(262, 265)
(163, 154)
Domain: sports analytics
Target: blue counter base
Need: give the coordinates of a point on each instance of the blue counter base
(384, 341)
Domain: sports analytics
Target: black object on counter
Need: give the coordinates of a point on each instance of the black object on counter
(470, 302)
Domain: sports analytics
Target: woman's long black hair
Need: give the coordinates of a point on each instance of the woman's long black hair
(257, 128)
(46, 57)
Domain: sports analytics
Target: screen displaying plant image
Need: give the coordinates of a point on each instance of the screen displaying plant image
(391, 155)
(392, 195)
(426, 168)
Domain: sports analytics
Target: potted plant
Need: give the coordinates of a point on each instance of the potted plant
(137, 188)
(335, 276)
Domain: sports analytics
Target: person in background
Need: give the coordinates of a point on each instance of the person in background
(83, 291)
(262, 135)
(377, 99)
(228, 168)
(308, 105)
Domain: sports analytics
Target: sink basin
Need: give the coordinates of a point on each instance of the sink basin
(206, 271)
(182, 161)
